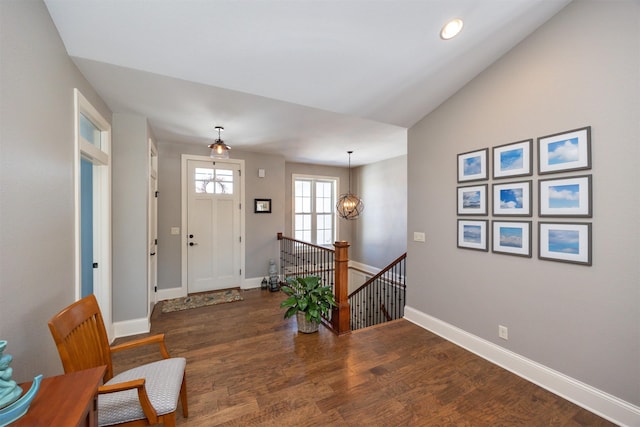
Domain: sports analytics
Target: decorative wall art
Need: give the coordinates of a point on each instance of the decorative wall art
(511, 160)
(512, 238)
(472, 200)
(569, 197)
(472, 234)
(566, 151)
(512, 199)
(262, 205)
(472, 166)
(565, 242)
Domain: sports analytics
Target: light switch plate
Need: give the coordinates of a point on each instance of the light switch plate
(175, 230)
(418, 236)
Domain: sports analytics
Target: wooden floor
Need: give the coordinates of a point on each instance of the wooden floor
(246, 365)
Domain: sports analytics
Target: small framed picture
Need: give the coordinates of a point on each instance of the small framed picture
(472, 234)
(512, 199)
(569, 197)
(566, 151)
(511, 160)
(472, 200)
(262, 205)
(512, 238)
(472, 166)
(565, 242)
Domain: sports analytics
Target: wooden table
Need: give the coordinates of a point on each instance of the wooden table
(65, 400)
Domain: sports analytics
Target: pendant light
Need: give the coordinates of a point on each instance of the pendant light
(219, 150)
(349, 205)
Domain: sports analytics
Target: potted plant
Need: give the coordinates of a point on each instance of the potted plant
(308, 300)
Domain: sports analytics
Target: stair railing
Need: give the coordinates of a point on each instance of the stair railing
(381, 298)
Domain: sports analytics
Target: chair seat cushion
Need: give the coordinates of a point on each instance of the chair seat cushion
(162, 382)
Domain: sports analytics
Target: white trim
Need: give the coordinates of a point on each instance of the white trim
(597, 401)
(131, 327)
(171, 293)
(252, 283)
(102, 207)
(336, 192)
(184, 182)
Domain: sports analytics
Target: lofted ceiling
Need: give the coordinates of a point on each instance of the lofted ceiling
(306, 79)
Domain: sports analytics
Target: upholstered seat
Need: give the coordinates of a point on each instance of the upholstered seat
(144, 395)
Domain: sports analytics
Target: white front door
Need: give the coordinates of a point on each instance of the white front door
(213, 225)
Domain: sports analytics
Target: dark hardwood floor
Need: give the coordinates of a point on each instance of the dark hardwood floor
(246, 365)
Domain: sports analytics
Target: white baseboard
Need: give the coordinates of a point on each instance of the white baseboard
(597, 401)
(131, 327)
(252, 283)
(165, 294)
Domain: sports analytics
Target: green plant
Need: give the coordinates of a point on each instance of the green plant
(306, 294)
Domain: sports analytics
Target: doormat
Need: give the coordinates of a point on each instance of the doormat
(201, 300)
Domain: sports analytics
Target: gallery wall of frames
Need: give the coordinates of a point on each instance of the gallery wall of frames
(497, 212)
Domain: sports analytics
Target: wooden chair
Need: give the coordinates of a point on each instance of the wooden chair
(141, 396)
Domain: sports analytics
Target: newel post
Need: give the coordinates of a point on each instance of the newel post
(340, 317)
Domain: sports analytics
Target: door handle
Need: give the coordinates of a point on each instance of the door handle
(152, 254)
(192, 244)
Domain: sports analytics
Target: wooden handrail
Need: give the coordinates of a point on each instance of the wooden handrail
(378, 275)
(324, 248)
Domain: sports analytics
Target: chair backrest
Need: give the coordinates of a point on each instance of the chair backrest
(81, 337)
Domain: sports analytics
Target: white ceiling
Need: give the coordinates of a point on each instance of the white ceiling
(307, 79)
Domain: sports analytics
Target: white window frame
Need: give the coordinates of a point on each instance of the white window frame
(314, 178)
(100, 157)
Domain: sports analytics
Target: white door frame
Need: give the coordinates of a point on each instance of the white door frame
(152, 233)
(101, 206)
(184, 223)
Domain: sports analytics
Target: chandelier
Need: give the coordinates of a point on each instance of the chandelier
(349, 205)
(219, 150)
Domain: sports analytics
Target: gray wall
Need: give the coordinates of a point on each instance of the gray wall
(129, 205)
(581, 68)
(37, 79)
(260, 229)
(380, 234)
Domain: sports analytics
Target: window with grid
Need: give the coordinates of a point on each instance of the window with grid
(314, 218)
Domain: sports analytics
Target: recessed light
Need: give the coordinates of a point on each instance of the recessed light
(451, 29)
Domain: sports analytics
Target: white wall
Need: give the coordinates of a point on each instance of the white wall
(579, 69)
(37, 79)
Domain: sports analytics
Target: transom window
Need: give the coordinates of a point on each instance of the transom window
(314, 218)
(214, 181)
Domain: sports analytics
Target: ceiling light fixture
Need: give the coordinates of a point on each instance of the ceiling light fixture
(451, 29)
(349, 205)
(219, 150)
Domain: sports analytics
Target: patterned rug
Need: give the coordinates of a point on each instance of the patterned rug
(201, 300)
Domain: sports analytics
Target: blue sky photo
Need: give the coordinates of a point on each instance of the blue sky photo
(563, 151)
(511, 237)
(564, 241)
(511, 159)
(472, 234)
(511, 198)
(471, 199)
(472, 166)
(564, 196)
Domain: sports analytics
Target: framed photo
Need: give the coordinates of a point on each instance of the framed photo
(472, 166)
(565, 197)
(512, 238)
(472, 200)
(565, 242)
(262, 205)
(512, 199)
(472, 234)
(566, 151)
(511, 160)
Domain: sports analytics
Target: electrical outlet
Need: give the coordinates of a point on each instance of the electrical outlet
(503, 332)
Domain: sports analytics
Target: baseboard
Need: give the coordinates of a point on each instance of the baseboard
(597, 401)
(252, 283)
(165, 294)
(131, 327)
